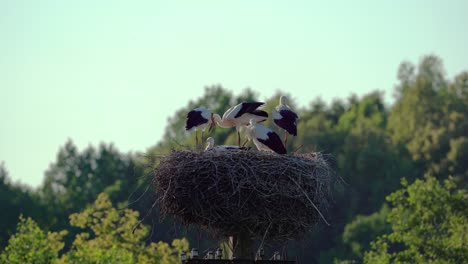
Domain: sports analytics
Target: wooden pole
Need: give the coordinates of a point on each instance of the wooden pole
(240, 246)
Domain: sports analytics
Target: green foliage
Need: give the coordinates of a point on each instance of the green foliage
(370, 110)
(430, 120)
(76, 178)
(363, 229)
(116, 237)
(30, 244)
(428, 222)
(108, 236)
(15, 200)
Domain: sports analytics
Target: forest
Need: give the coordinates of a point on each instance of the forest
(400, 194)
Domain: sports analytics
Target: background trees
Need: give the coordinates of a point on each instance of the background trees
(76, 178)
(374, 145)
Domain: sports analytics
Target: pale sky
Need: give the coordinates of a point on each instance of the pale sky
(114, 71)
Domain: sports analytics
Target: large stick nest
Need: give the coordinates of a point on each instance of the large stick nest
(272, 197)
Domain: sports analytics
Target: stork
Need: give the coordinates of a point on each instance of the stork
(264, 138)
(198, 118)
(239, 115)
(211, 146)
(285, 118)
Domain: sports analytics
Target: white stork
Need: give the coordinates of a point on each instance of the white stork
(265, 138)
(198, 118)
(240, 115)
(211, 146)
(285, 118)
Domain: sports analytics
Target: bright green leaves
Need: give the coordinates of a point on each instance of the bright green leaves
(30, 244)
(107, 235)
(428, 221)
(116, 237)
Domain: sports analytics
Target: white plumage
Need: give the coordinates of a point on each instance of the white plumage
(240, 115)
(264, 138)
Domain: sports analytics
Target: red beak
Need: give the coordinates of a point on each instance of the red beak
(211, 124)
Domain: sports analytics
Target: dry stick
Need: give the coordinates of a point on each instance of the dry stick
(141, 221)
(128, 205)
(307, 196)
(298, 148)
(263, 239)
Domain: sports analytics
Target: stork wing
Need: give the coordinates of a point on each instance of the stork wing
(274, 143)
(260, 113)
(194, 118)
(248, 108)
(288, 114)
(287, 121)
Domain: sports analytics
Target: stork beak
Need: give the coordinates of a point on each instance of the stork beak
(211, 124)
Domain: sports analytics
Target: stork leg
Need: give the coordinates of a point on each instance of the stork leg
(285, 138)
(247, 140)
(196, 138)
(202, 132)
(238, 138)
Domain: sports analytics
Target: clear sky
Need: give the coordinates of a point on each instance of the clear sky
(113, 71)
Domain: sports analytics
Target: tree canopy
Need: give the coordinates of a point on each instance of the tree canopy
(428, 221)
(107, 235)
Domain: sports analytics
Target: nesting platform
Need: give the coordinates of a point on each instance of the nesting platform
(268, 196)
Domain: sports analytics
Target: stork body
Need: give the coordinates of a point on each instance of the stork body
(240, 115)
(265, 138)
(285, 118)
(198, 119)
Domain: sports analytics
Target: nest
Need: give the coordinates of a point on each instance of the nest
(271, 197)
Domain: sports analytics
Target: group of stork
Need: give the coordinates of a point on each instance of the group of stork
(246, 114)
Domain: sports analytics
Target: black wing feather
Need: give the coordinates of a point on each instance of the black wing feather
(249, 107)
(288, 121)
(194, 118)
(260, 113)
(288, 114)
(274, 143)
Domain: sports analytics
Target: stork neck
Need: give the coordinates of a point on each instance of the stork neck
(221, 122)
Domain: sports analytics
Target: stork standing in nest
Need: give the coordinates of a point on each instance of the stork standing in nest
(264, 138)
(285, 118)
(240, 115)
(199, 118)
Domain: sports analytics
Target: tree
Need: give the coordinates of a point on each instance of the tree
(359, 233)
(76, 178)
(107, 235)
(30, 244)
(367, 161)
(428, 221)
(116, 237)
(15, 200)
(429, 119)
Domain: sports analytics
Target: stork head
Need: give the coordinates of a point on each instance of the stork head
(283, 100)
(210, 144)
